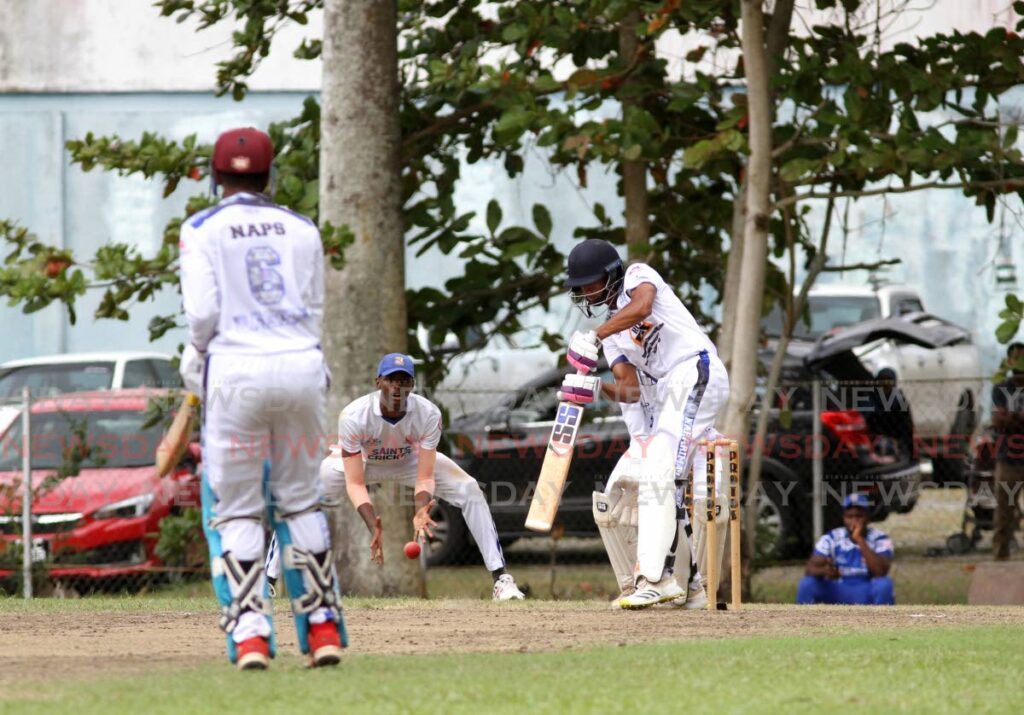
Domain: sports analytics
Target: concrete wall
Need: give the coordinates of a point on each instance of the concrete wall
(126, 46)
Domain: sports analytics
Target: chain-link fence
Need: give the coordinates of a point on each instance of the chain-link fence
(102, 521)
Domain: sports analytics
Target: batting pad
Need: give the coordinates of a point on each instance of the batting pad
(221, 585)
(619, 539)
(307, 596)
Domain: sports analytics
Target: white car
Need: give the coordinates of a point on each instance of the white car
(80, 372)
(943, 384)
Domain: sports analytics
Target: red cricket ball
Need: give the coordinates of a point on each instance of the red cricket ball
(412, 550)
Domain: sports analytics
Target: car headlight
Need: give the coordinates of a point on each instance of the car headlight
(126, 508)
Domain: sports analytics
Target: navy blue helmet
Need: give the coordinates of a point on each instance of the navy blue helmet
(589, 262)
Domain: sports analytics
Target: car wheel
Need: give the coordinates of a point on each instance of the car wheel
(450, 543)
(959, 544)
(777, 534)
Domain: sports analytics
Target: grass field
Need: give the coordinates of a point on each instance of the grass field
(936, 670)
(457, 652)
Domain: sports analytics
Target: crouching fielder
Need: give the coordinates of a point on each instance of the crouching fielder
(649, 328)
(391, 435)
(252, 287)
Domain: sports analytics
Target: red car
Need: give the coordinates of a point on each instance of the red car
(104, 522)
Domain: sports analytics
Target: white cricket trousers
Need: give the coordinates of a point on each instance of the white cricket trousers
(451, 483)
(265, 410)
(688, 400)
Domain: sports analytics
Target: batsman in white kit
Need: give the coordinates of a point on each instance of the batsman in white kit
(252, 287)
(649, 330)
(615, 508)
(391, 435)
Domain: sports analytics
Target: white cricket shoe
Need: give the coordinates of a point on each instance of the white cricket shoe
(648, 594)
(505, 589)
(696, 598)
(626, 592)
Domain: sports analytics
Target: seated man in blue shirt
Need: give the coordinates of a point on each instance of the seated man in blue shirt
(850, 564)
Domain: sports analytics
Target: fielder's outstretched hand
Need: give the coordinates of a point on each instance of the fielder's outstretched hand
(377, 544)
(422, 523)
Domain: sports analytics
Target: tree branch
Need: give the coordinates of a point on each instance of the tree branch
(777, 36)
(786, 146)
(1017, 183)
(861, 266)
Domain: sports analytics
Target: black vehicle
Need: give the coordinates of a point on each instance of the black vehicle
(865, 447)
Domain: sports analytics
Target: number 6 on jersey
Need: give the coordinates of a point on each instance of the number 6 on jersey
(555, 469)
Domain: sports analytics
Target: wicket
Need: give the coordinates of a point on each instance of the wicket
(710, 449)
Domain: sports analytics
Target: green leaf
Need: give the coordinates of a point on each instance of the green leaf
(583, 78)
(493, 215)
(797, 168)
(512, 123)
(1007, 330)
(542, 220)
(695, 156)
(1014, 303)
(632, 153)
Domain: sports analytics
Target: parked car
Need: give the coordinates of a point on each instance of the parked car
(103, 523)
(941, 376)
(78, 372)
(503, 447)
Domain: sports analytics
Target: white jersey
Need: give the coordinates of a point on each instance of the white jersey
(639, 416)
(252, 278)
(666, 338)
(389, 448)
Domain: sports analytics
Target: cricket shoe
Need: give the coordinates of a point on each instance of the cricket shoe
(505, 589)
(696, 598)
(324, 644)
(648, 594)
(626, 592)
(253, 654)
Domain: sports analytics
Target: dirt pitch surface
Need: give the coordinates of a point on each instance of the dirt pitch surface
(85, 644)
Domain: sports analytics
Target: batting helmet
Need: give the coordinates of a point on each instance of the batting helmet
(245, 150)
(589, 262)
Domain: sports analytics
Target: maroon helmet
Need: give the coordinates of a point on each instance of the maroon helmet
(245, 150)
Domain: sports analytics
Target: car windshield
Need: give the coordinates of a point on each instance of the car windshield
(113, 439)
(825, 314)
(54, 379)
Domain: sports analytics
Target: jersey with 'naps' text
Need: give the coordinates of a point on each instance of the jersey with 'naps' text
(252, 278)
(838, 546)
(667, 337)
(389, 448)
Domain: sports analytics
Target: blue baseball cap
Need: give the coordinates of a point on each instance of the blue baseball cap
(855, 500)
(395, 362)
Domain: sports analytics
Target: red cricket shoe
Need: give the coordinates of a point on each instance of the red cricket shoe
(324, 644)
(253, 654)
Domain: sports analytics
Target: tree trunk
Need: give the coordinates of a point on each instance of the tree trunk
(776, 41)
(365, 302)
(746, 332)
(747, 323)
(634, 173)
(731, 289)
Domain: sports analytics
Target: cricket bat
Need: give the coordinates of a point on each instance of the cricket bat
(175, 441)
(555, 469)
